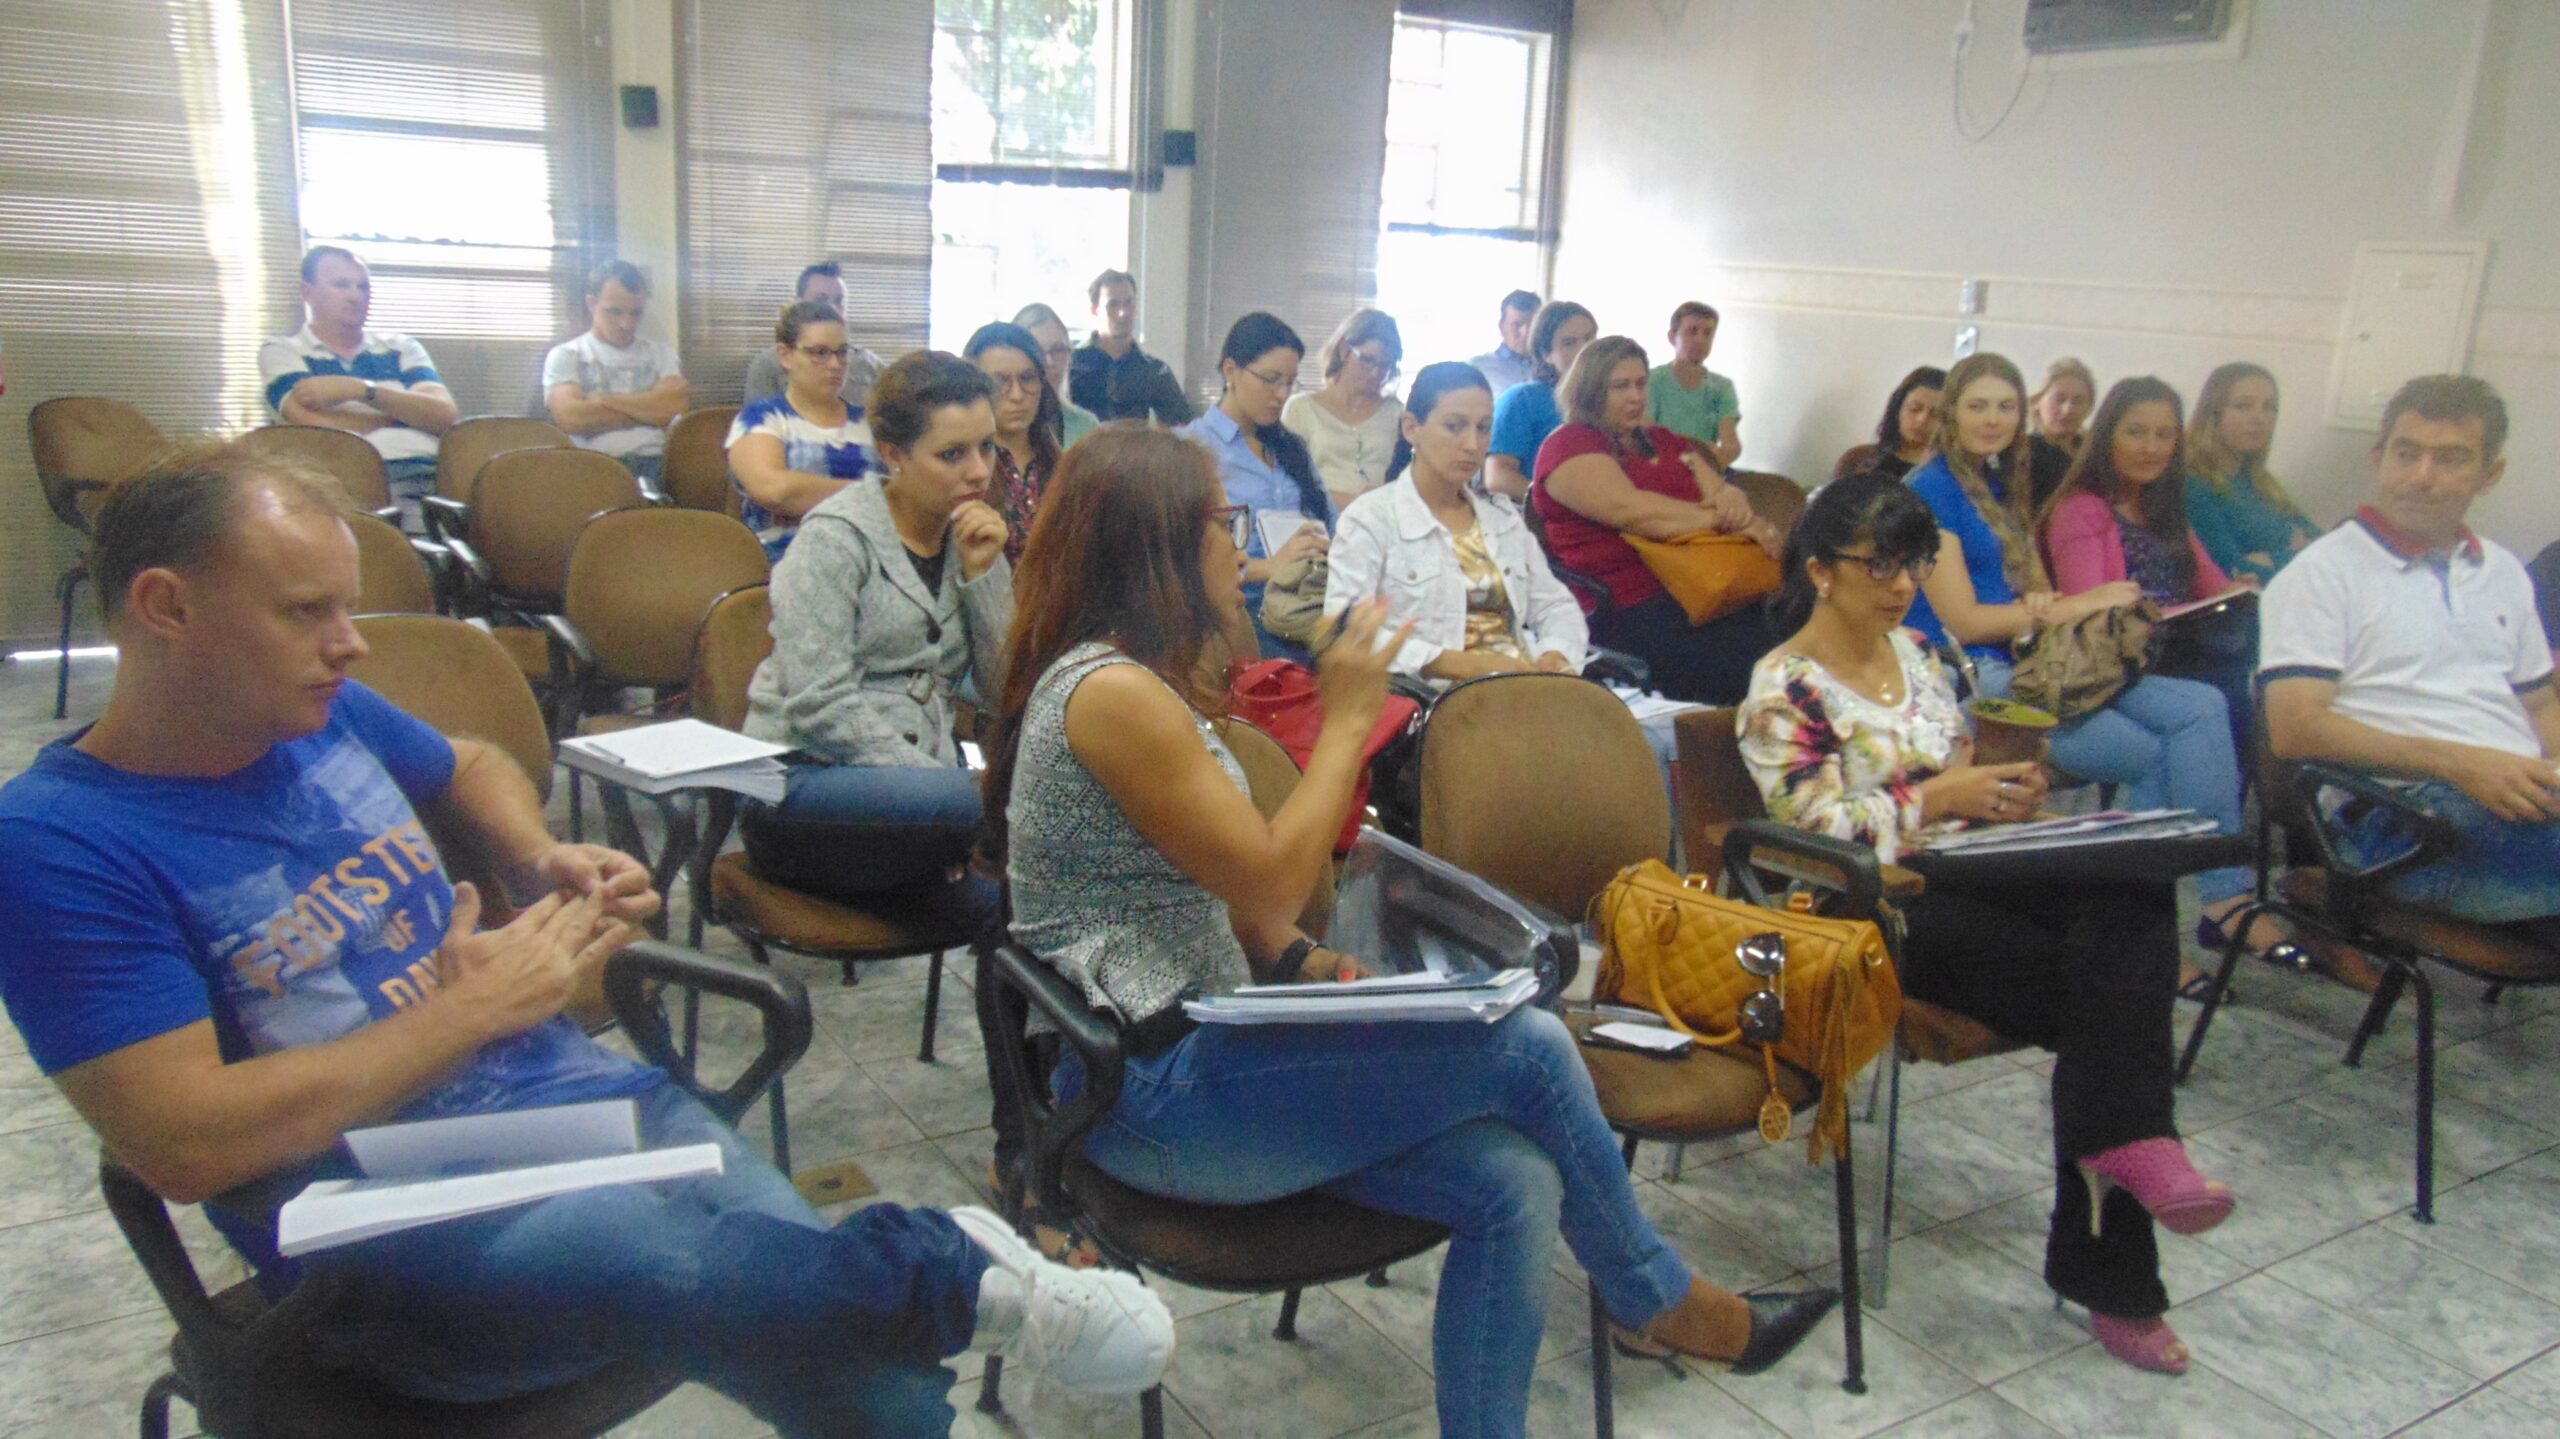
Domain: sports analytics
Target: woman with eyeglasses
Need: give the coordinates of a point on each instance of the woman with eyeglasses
(792, 451)
(1262, 465)
(1057, 357)
(1140, 870)
(1027, 445)
(1350, 423)
(1852, 730)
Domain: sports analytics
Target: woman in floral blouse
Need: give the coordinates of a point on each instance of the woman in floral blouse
(1027, 426)
(1852, 730)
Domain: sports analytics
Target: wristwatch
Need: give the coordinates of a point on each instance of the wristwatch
(368, 392)
(1294, 959)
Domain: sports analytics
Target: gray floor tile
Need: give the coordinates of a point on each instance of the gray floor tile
(693, 1412)
(2013, 1111)
(66, 1273)
(83, 1383)
(2315, 1360)
(2502, 1223)
(2537, 1384)
(28, 1100)
(2018, 1228)
(2432, 1302)
(1974, 1306)
(1035, 1408)
(2487, 1414)
(1979, 1415)
(47, 1173)
(877, 1020)
(944, 1097)
(1948, 1170)
(1402, 1309)
(2089, 1394)
(833, 1116)
(1803, 1396)
(2471, 1138)
(1338, 1375)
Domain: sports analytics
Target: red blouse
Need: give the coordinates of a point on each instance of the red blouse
(1593, 548)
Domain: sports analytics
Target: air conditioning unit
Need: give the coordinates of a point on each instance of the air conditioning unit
(2064, 27)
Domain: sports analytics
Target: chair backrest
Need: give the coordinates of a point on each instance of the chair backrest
(735, 637)
(527, 509)
(1711, 790)
(1774, 498)
(641, 580)
(2545, 570)
(1273, 776)
(342, 453)
(458, 680)
(84, 443)
(471, 443)
(1541, 784)
(696, 468)
(391, 579)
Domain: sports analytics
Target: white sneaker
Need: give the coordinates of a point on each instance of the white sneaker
(1098, 1330)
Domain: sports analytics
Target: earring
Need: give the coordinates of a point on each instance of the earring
(1823, 590)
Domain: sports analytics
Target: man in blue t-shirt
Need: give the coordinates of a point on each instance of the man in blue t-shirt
(226, 934)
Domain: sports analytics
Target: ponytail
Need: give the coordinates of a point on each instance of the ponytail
(1435, 381)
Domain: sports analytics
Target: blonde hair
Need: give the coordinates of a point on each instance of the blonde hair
(1585, 387)
(2216, 463)
(2012, 518)
(1359, 328)
(2066, 368)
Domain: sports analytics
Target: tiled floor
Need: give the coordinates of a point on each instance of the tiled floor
(2322, 1307)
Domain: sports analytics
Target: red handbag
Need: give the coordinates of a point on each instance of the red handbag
(1279, 698)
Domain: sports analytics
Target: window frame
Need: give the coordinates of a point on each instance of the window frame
(1539, 134)
(1144, 174)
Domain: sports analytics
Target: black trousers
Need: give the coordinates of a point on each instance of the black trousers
(2090, 972)
(1704, 664)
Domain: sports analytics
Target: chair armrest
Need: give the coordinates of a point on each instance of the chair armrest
(144, 1219)
(1564, 941)
(1025, 981)
(2436, 836)
(1849, 870)
(1902, 885)
(445, 519)
(633, 978)
(1616, 666)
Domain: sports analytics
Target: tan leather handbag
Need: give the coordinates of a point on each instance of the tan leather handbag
(1675, 947)
(1711, 575)
(2080, 666)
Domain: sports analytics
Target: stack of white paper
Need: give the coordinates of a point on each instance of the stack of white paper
(447, 1168)
(2112, 826)
(1645, 704)
(1483, 997)
(681, 754)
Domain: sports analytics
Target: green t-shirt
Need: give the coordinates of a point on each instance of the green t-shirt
(1700, 413)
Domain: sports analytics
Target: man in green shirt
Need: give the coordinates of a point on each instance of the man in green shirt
(1686, 397)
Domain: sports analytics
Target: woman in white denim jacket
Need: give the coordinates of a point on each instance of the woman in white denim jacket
(1461, 566)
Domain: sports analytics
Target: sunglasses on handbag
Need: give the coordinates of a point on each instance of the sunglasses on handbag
(1764, 1015)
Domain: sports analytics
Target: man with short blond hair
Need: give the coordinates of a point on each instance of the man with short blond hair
(336, 373)
(613, 391)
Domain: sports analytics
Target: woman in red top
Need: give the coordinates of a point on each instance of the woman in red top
(1605, 474)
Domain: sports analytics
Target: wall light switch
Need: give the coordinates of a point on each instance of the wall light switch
(1969, 302)
(1968, 340)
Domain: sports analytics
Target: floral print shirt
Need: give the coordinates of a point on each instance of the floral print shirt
(1830, 760)
(1015, 492)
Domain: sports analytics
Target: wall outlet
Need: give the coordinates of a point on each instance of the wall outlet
(1968, 340)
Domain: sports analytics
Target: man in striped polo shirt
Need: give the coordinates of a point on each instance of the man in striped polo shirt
(336, 373)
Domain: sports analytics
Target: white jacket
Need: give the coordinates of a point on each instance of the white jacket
(1389, 543)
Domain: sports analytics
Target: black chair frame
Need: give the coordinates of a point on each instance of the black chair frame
(245, 1365)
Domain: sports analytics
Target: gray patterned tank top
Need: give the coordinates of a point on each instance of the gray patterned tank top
(1091, 895)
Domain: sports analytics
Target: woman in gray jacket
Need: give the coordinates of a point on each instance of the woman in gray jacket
(893, 595)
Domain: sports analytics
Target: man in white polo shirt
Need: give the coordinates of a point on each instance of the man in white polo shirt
(2404, 643)
(335, 372)
(610, 389)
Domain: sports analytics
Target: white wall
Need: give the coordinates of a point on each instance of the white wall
(1796, 166)
(644, 161)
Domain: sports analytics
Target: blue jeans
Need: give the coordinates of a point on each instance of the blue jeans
(857, 833)
(411, 480)
(2505, 872)
(2165, 744)
(1492, 1130)
(733, 1278)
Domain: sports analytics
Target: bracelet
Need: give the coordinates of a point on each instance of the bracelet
(1293, 959)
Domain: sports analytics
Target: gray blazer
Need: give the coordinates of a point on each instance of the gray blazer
(864, 661)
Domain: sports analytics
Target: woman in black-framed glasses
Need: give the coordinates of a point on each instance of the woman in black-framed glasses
(1852, 729)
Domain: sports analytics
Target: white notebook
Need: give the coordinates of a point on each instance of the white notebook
(677, 747)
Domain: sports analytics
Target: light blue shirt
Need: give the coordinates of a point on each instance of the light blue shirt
(1250, 479)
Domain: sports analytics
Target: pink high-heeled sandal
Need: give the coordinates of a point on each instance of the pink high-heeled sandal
(2147, 1344)
(2157, 1173)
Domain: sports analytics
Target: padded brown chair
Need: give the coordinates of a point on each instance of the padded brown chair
(83, 444)
(452, 675)
(640, 582)
(1273, 776)
(391, 578)
(244, 1365)
(735, 638)
(1774, 498)
(696, 468)
(1551, 823)
(2328, 893)
(512, 542)
(343, 454)
(471, 443)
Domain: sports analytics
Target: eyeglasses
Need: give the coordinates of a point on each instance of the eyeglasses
(1055, 353)
(828, 354)
(1239, 522)
(1374, 359)
(1882, 568)
(1764, 1015)
(1028, 384)
(1286, 384)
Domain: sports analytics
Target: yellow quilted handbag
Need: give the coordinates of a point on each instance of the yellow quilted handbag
(1670, 945)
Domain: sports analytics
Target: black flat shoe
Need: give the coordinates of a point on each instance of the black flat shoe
(1779, 1322)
